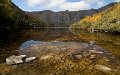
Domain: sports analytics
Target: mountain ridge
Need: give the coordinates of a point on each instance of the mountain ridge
(66, 18)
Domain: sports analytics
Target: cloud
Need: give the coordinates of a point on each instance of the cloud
(63, 4)
(33, 3)
(117, 0)
(54, 4)
(45, 3)
(92, 1)
(100, 3)
(82, 5)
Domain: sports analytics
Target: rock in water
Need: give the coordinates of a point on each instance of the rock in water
(93, 56)
(46, 57)
(78, 56)
(92, 42)
(15, 59)
(97, 52)
(10, 61)
(103, 68)
(30, 59)
(22, 56)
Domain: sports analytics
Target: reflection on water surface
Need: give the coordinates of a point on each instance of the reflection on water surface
(9, 47)
(12, 44)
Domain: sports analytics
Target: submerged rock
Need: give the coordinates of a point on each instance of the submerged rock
(86, 54)
(70, 58)
(93, 56)
(78, 56)
(97, 52)
(103, 68)
(92, 42)
(46, 57)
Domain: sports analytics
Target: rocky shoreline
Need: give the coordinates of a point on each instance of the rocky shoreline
(64, 58)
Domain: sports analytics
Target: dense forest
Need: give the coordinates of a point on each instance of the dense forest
(13, 18)
(108, 20)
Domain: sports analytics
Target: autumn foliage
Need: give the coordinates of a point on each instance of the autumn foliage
(108, 20)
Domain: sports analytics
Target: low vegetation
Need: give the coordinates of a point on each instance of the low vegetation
(108, 20)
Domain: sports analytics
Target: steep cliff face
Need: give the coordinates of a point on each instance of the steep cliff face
(65, 18)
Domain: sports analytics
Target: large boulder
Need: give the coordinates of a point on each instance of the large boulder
(15, 59)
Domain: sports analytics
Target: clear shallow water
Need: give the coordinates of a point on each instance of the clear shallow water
(12, 44)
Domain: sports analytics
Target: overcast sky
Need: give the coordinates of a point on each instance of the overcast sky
(60, 5)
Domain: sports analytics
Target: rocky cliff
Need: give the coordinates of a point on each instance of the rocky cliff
(65, 18)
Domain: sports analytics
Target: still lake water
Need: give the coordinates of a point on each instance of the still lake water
(12, 44)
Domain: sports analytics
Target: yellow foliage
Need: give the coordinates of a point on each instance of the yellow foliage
(91, 19)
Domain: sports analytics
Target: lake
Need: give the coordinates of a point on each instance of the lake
(11, 44)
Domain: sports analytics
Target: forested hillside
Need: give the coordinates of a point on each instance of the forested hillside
(13, 18)
(108, 20)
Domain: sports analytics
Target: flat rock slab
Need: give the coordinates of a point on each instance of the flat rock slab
(73, 48)
(66, 58)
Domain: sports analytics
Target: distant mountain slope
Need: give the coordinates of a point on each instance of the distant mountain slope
(65, 18)
(108, 20)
